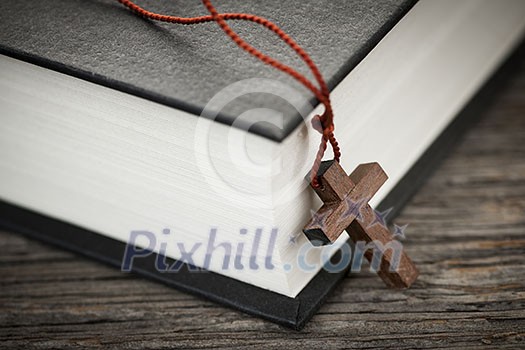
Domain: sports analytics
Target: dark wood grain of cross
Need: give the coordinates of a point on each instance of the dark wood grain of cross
(346, 208)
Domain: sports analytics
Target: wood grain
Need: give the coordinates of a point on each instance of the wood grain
(466, 234)
(346, 208)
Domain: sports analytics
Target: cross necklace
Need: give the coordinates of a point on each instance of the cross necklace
(346, 208)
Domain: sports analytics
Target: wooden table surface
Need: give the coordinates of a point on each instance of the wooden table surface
(466, 233)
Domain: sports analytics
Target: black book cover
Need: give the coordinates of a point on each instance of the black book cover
(184, 66)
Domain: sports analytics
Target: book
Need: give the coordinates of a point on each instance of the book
(117, 129)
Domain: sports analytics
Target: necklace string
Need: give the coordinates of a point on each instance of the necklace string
(323, 123)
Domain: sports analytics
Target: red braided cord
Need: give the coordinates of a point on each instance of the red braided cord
(323, 95)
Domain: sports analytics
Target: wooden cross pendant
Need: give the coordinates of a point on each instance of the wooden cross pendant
(346, 208)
